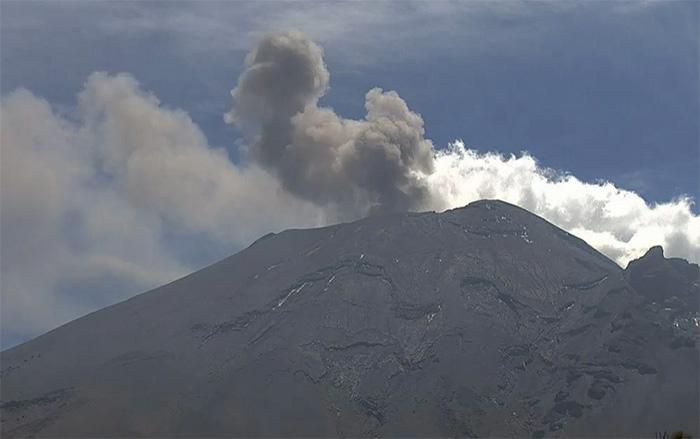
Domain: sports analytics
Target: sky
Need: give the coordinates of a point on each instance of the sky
(144, 140)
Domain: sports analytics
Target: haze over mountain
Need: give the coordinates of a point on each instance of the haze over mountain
(480, 321)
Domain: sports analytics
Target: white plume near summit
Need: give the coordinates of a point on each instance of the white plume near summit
(617, 222)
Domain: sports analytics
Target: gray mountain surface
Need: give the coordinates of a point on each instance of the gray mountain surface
(480, 321)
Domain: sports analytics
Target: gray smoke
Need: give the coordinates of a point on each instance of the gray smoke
(374, 165)
(349, 168)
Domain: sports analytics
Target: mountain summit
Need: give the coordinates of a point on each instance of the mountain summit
(480, 321)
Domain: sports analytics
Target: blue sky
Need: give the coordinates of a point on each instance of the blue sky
(604, 90)
(599, 90)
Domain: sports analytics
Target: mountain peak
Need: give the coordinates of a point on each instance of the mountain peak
(664, 280)
(489, 204)
(654, 253)
(480, 321)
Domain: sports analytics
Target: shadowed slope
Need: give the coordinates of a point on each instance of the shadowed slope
(484, 320)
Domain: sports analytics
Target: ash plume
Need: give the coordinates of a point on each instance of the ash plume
(373, 165)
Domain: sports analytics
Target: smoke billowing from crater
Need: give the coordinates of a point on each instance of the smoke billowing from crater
(377, 164)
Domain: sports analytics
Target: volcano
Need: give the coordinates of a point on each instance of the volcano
(480, 321)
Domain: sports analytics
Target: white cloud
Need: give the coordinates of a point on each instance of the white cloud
(92, 200)
(160, 162)
(617, 222)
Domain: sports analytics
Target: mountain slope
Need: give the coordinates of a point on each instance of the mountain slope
(485, 320)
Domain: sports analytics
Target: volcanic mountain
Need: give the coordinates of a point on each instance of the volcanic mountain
(480, 321)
